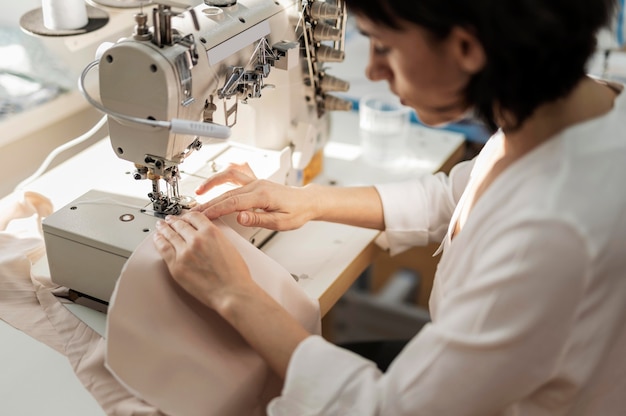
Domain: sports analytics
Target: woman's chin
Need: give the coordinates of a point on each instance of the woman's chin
(439, 120)
(434, 121)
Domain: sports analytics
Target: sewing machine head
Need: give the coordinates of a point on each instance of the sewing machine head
(249, 69)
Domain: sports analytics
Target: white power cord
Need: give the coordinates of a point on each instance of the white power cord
(191, 127)
(74, 142)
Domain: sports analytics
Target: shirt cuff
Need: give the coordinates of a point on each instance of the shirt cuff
(405, 213)
(317, 372)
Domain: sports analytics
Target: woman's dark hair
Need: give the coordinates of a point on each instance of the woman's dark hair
(537, 50)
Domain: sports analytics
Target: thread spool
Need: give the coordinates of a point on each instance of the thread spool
(64, 14)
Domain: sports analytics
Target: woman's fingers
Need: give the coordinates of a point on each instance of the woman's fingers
(166, 240)
(235, 174)
(175, 233)
(242, 168)
(237, 200)
(192, 224)
(269, 220)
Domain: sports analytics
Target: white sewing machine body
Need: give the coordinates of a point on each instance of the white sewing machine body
(255, 66)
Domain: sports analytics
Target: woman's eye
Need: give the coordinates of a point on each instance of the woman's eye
(381, 50)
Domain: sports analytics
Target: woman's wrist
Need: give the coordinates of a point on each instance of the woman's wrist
(263, 323)
(232, 301)
(315, 196)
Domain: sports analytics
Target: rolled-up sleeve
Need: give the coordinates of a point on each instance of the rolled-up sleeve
(311, 389)
(418, 212)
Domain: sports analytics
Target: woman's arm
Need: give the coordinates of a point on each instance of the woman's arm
(359, 206)
(279, 207)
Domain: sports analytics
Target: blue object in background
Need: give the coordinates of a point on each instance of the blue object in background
(473, 130)
(620, 23)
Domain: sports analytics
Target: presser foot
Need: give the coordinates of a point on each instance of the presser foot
(163, 205)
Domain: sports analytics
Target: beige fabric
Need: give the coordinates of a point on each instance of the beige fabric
(173, 351)
(180, 355)
(29, 304)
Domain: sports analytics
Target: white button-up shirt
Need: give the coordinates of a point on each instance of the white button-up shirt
(529, 303)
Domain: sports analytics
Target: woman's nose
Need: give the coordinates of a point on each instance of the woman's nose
(375, 69)
(370, 72)
(376, 72)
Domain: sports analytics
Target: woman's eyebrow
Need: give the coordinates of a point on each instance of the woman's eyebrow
(363, 32)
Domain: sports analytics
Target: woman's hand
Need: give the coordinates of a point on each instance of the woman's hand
(260, 203)
(202, 260)
(237, 174)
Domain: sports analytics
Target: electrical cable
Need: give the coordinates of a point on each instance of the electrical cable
(198, 128)
(74, 142)
(116, 115)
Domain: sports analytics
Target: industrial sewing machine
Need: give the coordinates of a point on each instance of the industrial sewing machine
(251, 71)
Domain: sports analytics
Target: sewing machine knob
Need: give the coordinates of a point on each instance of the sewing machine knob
(220, 3)
(332, 103)
(142, 31)
(323, 32)
(322, 10)
(326, 53)
(330, 83)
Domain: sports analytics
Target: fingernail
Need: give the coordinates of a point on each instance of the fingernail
(244, 217)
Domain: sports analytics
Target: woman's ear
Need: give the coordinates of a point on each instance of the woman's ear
(467, 50)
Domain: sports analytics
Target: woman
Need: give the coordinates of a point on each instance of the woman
(529, 302)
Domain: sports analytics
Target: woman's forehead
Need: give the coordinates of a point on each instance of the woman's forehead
(366, 26)
(373, 29)
(407, 32)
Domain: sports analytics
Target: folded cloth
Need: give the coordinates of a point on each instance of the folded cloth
(21, 245)
(181, 356)
(28, 303)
